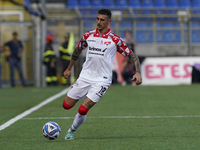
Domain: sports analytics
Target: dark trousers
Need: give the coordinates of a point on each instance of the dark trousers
(127, 76)
(195, 75)
(51, 78)
(14, 62)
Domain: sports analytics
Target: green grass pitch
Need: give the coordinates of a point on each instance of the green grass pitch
(141, 118)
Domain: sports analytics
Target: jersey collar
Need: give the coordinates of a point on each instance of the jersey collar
(104, 32)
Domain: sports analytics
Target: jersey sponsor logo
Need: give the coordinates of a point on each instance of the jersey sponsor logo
(94, 49)
(107, 43)
(97, 51)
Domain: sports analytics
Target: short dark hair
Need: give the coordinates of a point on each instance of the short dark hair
(106, 12)
(14, 33)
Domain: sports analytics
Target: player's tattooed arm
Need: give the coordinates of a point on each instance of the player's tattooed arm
(76, 53)
(75, 56)
(135, 61)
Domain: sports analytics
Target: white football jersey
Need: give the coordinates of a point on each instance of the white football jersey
(101, 49)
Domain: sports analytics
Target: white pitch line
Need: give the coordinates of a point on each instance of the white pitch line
(116, 117)
(29, 111)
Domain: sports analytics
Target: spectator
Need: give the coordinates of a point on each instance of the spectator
(129, 70)
(65, 57)
(50, 61)
(129, 41)
(1, 50)
(14, 56)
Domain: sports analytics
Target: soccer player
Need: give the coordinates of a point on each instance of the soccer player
(96, 75)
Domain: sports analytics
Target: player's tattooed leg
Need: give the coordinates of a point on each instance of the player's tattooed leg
(88, 103)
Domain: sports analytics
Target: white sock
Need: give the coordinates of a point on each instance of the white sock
(78, 121)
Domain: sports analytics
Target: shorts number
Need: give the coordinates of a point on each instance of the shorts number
(103, 89)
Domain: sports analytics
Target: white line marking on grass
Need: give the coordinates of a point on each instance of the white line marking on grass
(29, 111)
(116, 117)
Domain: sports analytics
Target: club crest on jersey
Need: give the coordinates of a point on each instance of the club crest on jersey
(107, 43)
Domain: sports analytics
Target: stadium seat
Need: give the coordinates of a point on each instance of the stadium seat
(146, 4)
(195, 36)
(196, 3)
(144, 36)
(170, 32)
(185, 3)
(195, 24)
(108, 3)
(172, 36)
(134, 3)
(72, 3)
(127, 25)
(144, 24)
(170, 24)
(84, 3)
(122, 34)
(88, 14)
(172, 4)
(97, 3)
(93, 14)
(195, 10)
(159, 36)
(88, 25)
(121, 3)
(112, 25)
(159, 4)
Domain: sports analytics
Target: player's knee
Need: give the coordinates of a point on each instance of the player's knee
(83, 110)
(66, 106)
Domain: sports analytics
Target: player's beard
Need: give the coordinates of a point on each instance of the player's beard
(99, 27)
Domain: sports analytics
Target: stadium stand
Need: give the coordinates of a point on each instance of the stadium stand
(144, 36)
(135, 4)
(146, 4)
(142, 13)
(172, 4)
(108, 3)
(72, 3)
(97, 3)
(84, 3)
(159, 5)
(122, 3)
(195, 36)
(185, 3)
(195, 10)
(196, 3)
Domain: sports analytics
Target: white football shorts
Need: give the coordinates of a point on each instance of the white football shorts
(93, 91)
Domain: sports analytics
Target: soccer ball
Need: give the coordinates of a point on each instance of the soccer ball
(51, 130)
